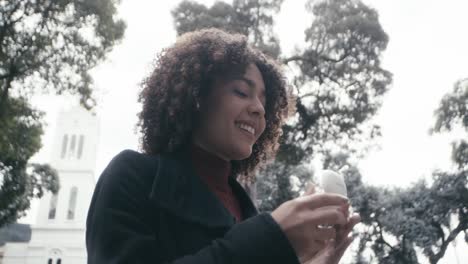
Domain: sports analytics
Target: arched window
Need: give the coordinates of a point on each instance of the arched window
(80, 146)
(64, 146)
(72, 203)
(53, 206)
(71, 151)
(59, 261)
(49, 261)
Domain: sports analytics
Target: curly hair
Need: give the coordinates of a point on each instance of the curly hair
(184, 73)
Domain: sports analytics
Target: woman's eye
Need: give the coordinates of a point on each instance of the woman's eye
(240, 93)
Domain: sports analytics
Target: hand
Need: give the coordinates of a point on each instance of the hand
(334, 250)
(300, 219)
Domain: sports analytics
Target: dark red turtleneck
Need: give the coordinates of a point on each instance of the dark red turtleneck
(215, 173)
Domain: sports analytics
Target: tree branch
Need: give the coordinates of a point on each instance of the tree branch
(4, 90)
(453, 234)
(381, 238)
(322, 57)
(440, 231)
(7, 24)
(326, 58)
(295, 58)
(307, 95)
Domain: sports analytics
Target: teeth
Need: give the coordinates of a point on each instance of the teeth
(246, 128)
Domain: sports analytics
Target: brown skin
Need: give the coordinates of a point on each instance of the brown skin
(240, 99)
(209, 69)
(334, 249)
(300, 219)
(182, 78)
(232, 101)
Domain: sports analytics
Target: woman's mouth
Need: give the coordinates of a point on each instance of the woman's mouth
(246, 128)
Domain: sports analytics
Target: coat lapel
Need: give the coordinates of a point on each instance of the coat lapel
(248, 208)
(177, 189)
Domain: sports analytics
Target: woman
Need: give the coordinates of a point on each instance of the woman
(212, 114)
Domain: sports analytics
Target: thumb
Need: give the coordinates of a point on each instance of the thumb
(310, 189)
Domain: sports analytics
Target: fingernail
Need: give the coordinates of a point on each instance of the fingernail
(344, 200)
(358, 216)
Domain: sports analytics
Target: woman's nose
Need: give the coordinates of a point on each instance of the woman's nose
(257, 108)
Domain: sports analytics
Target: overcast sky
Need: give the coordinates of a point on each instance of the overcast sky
(427, 53)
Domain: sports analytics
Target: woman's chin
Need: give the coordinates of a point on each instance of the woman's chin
(242, 154)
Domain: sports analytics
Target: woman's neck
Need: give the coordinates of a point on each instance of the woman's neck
(213, 170)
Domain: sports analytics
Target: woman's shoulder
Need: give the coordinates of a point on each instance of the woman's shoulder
(130, 168)
(134, 160)
(132, 156)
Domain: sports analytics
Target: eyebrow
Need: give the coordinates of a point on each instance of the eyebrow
(249, 82)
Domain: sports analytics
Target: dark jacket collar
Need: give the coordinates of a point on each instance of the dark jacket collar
(177, 189)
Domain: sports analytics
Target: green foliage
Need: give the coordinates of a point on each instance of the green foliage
(460, 153)
(53, 45)
(20, 187)
(253, 18)
(398, 221)
(190, 16)
(427, 216)
(339, 82)
(453, 112)
(453, 108)
(20, 132)
(20, 138)
(339, 86)
(424, 216)
(450, 189)
(267, 187)
(45, 46)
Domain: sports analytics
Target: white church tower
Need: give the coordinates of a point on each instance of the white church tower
(58, 237)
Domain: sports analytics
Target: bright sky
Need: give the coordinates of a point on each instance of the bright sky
(427, 53)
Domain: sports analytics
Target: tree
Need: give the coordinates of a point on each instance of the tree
(453, 186)
(339, 87)
(429, 215)
(253, 18)
(20, 135)
(47, 46)
(398, 221)
(453, 112)
(339, 80)
(53, 44)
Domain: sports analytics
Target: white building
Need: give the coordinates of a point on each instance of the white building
(58, 237)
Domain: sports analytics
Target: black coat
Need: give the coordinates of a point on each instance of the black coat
(153, 209)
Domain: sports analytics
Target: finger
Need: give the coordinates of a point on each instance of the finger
(310, 189)
(315, 247)
(345, 209)
(352, 221)
(341, 248)
(324, 233)
(318, 245)
(323, 199)
(327, 216)
(329, 251)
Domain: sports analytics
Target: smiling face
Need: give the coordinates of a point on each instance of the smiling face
(232, 115)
